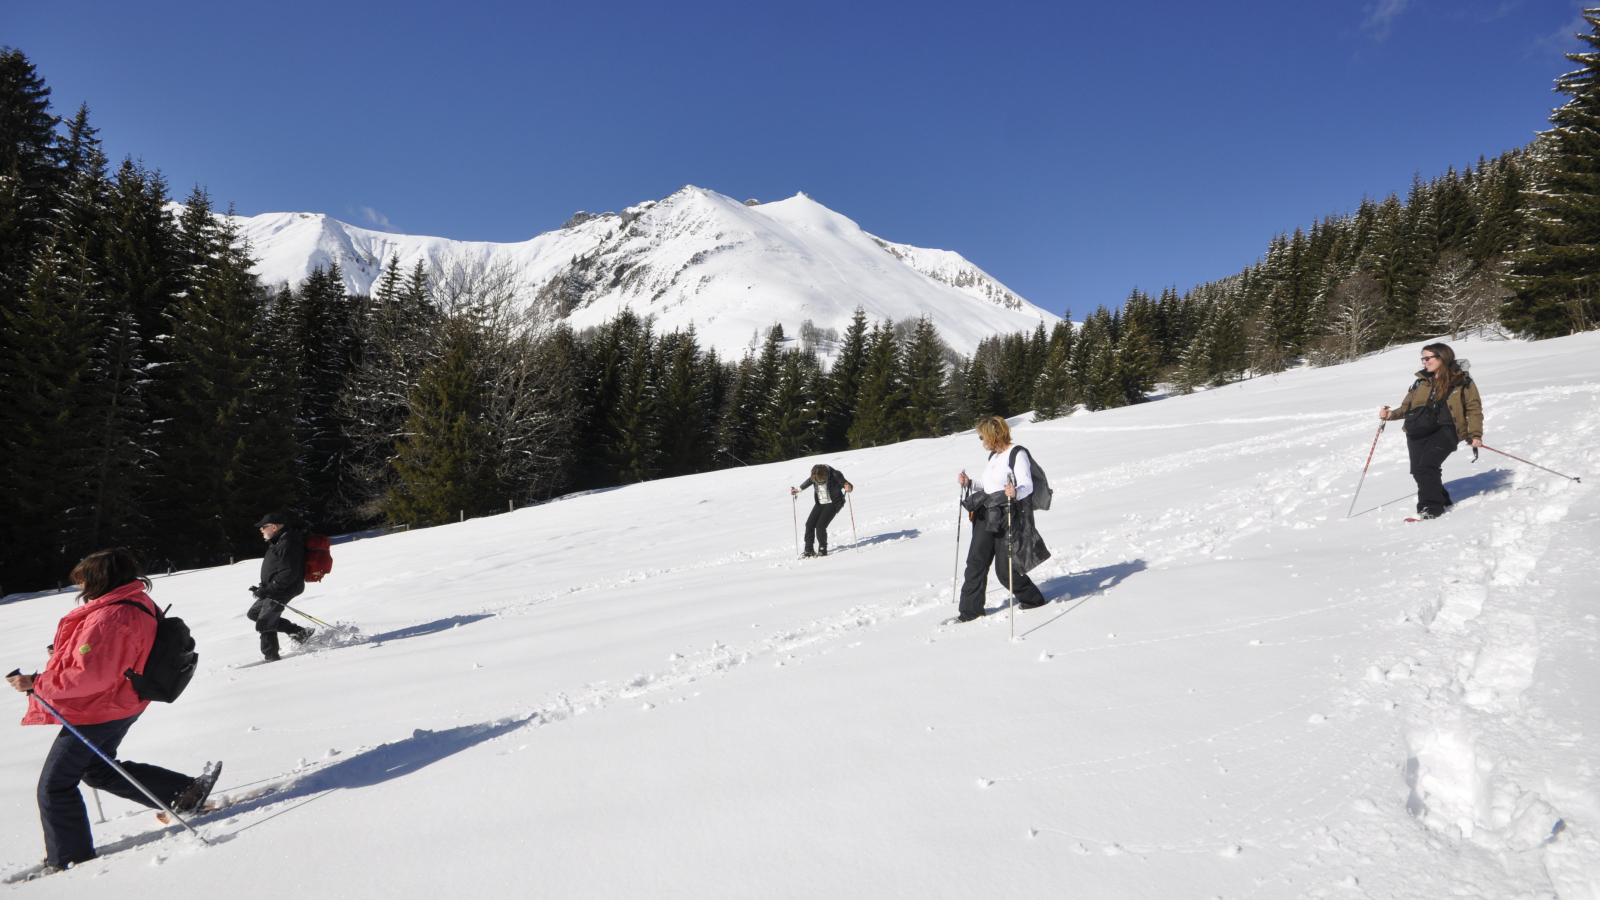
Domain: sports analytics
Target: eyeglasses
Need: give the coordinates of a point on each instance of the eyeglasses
(1426, 358)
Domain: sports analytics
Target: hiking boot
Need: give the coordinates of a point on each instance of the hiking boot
(199, 790)
(1024, 604)
(300, 637)
(822, 551)
(808, 554)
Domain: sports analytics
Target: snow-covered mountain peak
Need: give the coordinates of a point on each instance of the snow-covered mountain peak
(696, 257)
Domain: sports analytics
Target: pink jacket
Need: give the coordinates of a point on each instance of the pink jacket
(95, 645)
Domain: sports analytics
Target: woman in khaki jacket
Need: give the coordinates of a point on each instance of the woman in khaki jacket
(1441, 410)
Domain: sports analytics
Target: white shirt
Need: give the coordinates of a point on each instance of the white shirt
(994, 475)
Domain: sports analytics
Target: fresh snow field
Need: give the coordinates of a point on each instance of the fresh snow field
(1237, 692)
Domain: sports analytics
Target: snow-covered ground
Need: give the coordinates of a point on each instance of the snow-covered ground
(1237, 692)
(696, 258)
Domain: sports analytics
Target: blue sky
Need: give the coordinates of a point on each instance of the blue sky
(1072, 150)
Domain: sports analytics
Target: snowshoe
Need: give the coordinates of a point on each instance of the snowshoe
(194, 796)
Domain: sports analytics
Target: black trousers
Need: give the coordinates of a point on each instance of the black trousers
(67, 838)
(1427, 457)
(817, 524)
(988, 547)
(268, 616)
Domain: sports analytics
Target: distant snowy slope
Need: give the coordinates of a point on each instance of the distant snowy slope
(696, 258)
(1236, 690)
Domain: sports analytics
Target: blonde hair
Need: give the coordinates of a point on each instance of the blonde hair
(819, 473)
(994, 432)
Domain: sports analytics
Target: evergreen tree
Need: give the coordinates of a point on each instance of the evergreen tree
(317, 329)
(395, 343)
(1053, 396)
(440, 465)
(789, 422)
(227, 434)
(1557, 276)
(32, 173)
(927, 399)
(982, 398)
(634, 448)
(880, 404)
(1136, 364)
(844, 383)
(685, 404)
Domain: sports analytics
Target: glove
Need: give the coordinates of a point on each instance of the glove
(255, 591)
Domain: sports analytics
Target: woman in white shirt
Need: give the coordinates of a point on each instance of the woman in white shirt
(1008, 479)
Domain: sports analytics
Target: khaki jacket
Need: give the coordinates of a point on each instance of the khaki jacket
(1465, 406)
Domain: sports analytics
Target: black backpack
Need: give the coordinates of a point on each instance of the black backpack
(1042, 494)
(172, 660)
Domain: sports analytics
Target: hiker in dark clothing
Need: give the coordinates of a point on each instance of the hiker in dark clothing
(1012, 554)
(1442, 409)
(828, 487)
(283, 578)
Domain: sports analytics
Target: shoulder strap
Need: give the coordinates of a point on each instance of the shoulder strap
(139, 606)
(1012, 462)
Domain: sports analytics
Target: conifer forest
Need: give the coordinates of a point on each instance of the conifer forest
(159, 397)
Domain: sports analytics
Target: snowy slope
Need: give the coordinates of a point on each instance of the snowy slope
(1236, 692)
(696, 258)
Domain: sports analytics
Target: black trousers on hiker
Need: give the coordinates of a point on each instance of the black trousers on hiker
(1427, 459)
(817, 524)
(990, 547)
(67, 838)
(268, 616)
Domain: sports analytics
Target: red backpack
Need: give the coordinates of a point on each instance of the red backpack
(319, 561)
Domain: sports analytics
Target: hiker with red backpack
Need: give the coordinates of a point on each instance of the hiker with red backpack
(101, 675)
(283, 578)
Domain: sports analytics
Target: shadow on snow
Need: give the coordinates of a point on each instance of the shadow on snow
(1460, 489)
(400, 634)
(906, 535)
(1080, 586)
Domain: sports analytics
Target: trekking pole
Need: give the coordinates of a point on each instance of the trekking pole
(794, 508)
(854, 538)
(120, 770)
(961, 509)
(1011, 562)
(1535, 465)
(299, 613)
(1364, 468)
(97, 807)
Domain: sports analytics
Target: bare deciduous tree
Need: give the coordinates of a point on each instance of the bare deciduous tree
(1458, 298)
(1355, 316)
(525, 376)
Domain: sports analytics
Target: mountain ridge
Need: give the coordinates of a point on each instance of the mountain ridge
(695, 258)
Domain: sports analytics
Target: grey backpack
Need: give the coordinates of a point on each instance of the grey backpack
(1042, 494)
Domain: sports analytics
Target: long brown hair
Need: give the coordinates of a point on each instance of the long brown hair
(819, 473)
(103, 571)
(1449, 371)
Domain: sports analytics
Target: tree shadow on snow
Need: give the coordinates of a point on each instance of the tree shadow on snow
(375, 766)
(1080, 586)
(400, 634)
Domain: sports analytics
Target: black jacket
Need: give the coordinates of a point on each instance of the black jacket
(990, 512)
(835, 483)
(283, 569)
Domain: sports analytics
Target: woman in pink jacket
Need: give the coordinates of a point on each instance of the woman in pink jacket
(97, 643)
